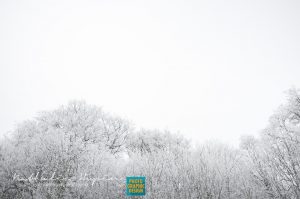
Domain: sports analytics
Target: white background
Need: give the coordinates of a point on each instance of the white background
(209, 69)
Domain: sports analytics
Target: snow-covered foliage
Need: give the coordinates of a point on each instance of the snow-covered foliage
(90, 153)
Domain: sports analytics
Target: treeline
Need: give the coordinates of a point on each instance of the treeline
(58, 147)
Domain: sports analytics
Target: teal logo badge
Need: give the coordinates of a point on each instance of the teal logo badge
(135, 186)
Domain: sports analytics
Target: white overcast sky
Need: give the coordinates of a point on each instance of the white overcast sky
(209, 69)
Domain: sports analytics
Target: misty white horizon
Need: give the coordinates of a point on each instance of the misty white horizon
(208, 69)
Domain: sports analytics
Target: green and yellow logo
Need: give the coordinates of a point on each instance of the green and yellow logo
(135, 186)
